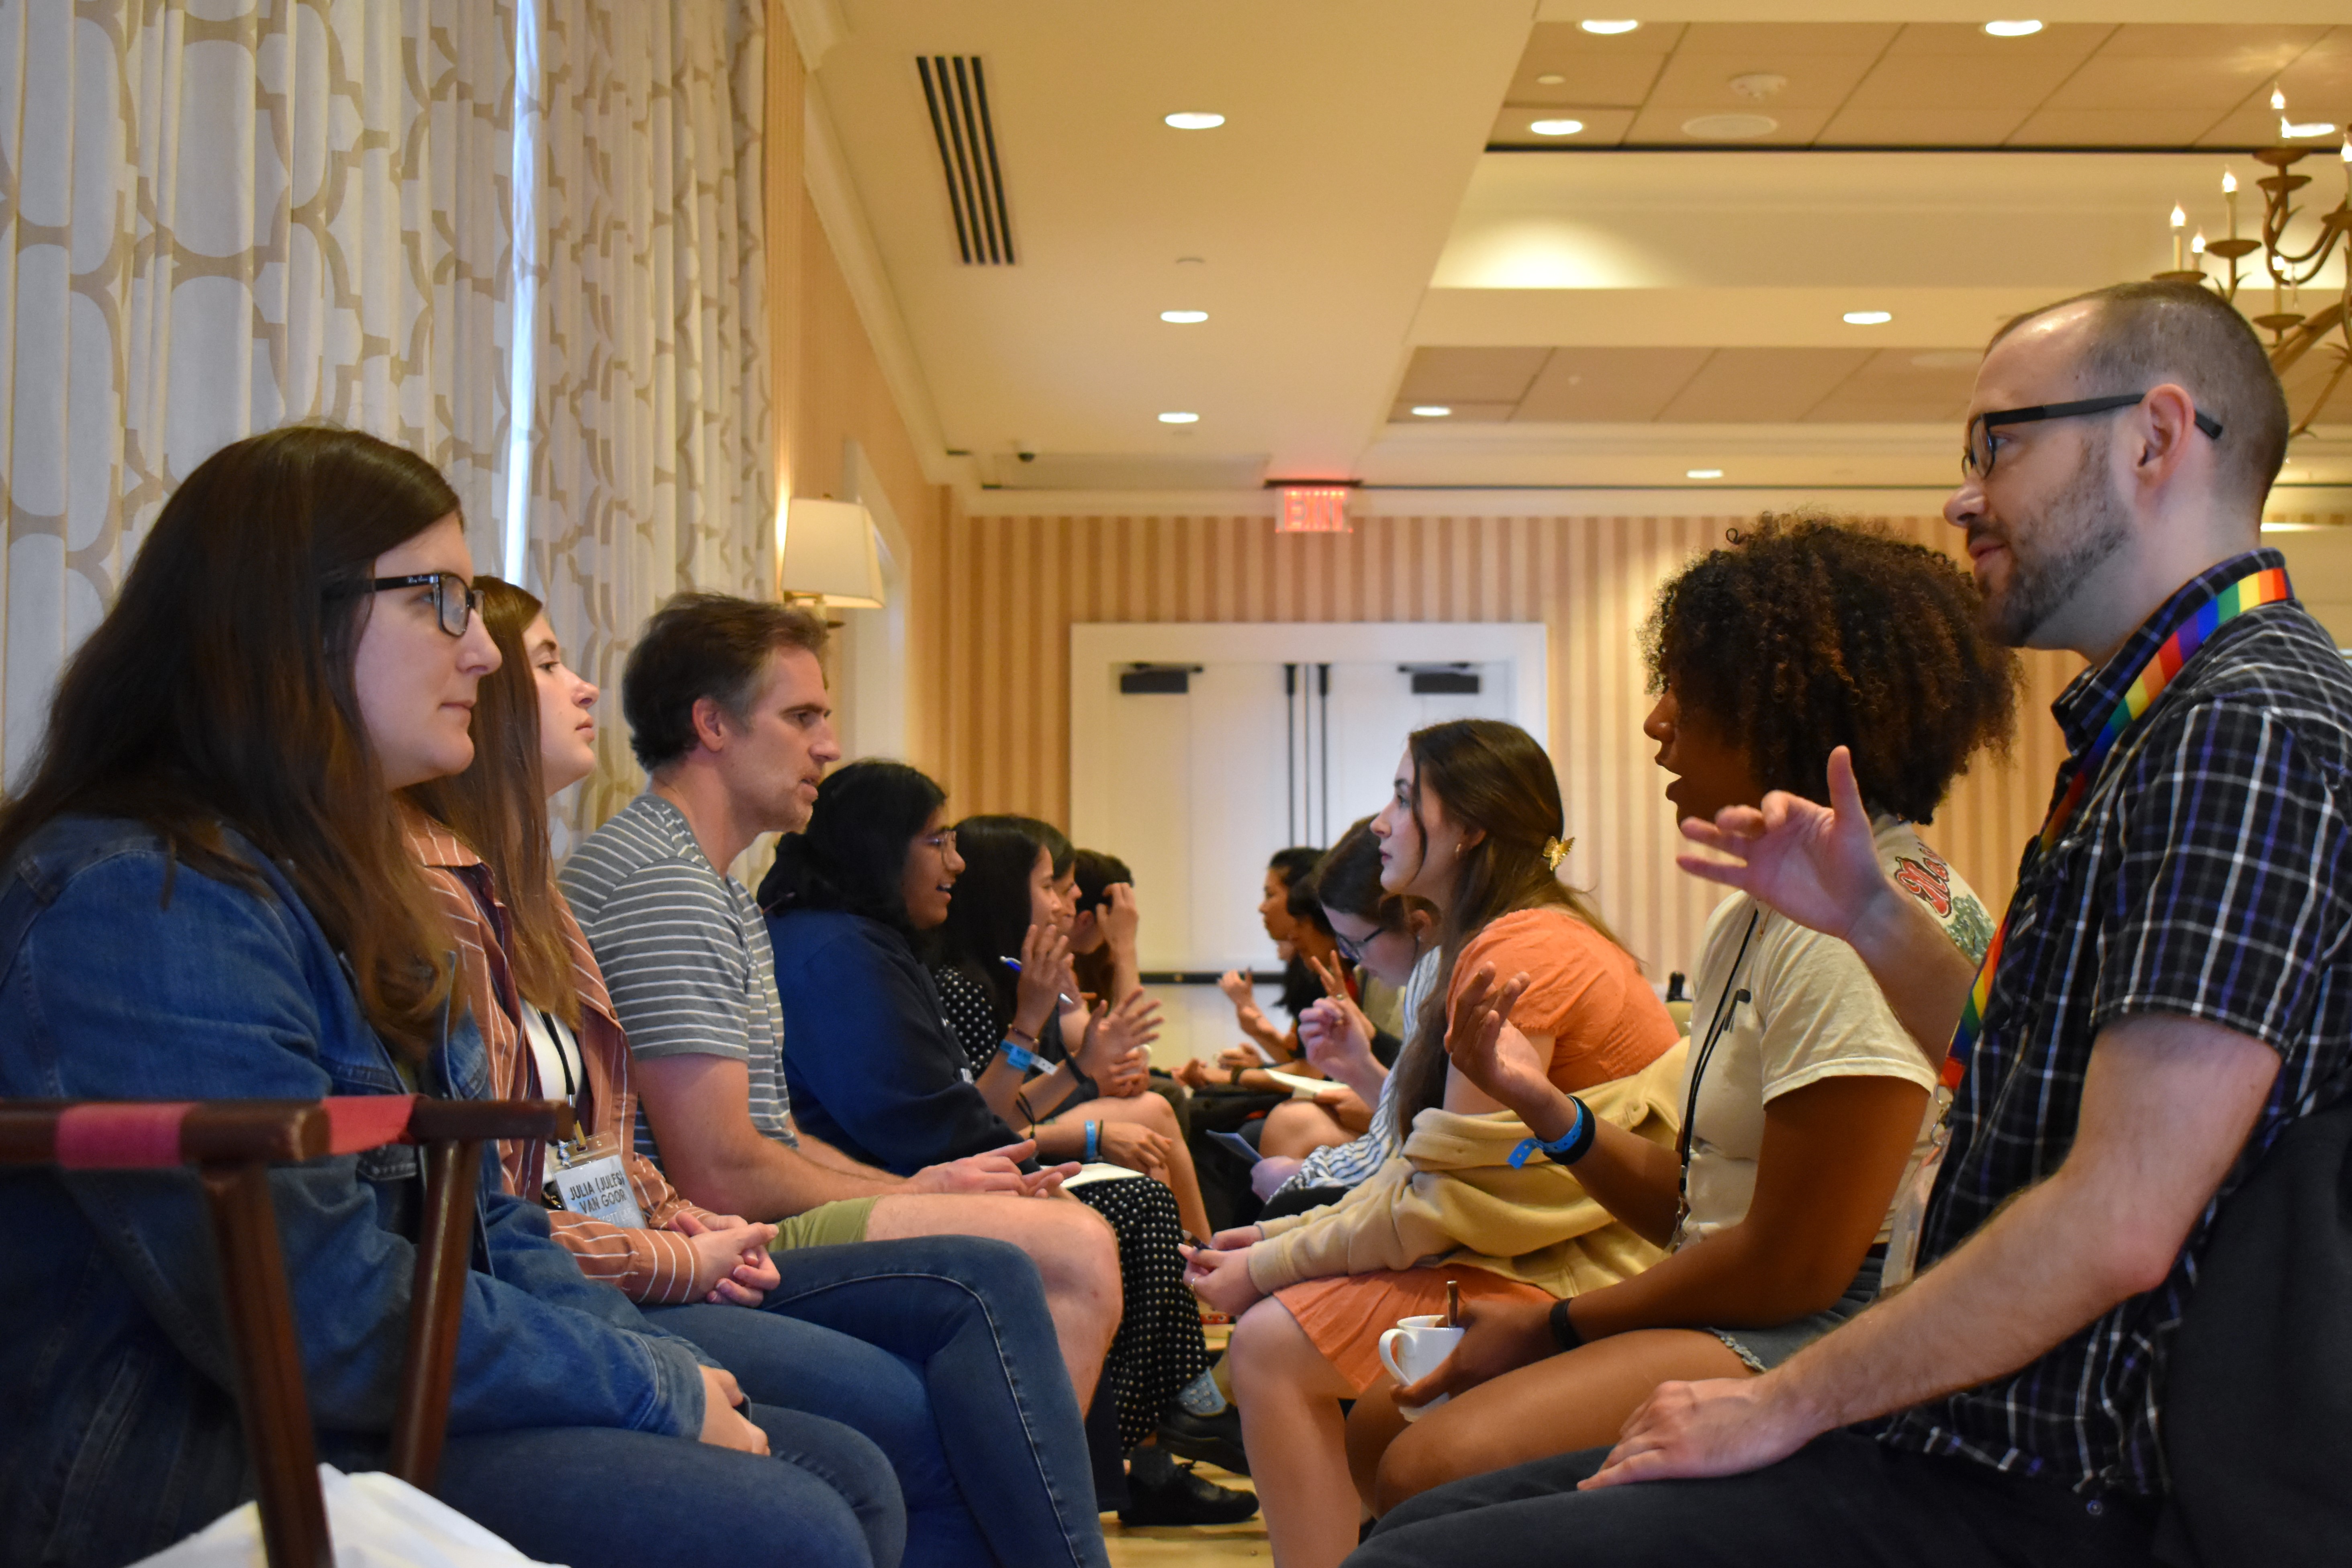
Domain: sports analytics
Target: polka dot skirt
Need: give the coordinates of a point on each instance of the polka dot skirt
(1158, 1349)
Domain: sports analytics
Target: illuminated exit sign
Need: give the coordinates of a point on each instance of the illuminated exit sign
(1313, 508)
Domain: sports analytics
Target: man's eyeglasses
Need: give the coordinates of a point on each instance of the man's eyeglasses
(1976, 458)
(454, 600)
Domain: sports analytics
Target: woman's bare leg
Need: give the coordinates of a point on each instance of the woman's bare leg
(1373, 1426)
(1296, 1130)
(1150, 1110)
(1289, 1397)
(1570, 1402)
(1076, 1254)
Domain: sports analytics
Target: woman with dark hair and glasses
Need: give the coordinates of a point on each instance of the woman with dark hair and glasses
(1008, 898)
(207, 895)
(877, 1070)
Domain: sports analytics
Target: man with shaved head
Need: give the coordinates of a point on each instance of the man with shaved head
(2167, 997)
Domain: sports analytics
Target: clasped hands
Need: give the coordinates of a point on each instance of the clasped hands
(1219, 1273)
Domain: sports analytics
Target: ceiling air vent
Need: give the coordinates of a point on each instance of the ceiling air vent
(957, 90)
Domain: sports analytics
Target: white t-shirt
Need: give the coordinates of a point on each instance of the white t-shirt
(1813, 1013)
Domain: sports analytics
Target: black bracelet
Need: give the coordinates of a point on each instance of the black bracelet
(1585, 1135)
(1563, 1327)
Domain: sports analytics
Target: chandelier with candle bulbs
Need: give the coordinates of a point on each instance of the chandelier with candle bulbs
(2292, 263)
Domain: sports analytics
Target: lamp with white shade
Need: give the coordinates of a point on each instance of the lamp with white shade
(828, 554)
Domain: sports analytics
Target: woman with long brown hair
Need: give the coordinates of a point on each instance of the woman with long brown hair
(206, 896)
(932, 1346)
(1475, 827)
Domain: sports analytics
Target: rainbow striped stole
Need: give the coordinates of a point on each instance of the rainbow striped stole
(2264, 585)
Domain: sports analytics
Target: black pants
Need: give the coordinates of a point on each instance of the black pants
(1842, 1499)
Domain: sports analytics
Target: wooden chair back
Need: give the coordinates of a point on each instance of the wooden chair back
(232, 1143)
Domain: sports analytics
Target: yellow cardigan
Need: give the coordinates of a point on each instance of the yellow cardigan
(1450, 1196)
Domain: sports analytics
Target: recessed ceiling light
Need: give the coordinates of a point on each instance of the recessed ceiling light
(1431, 410)
(1868, 317)
(1731, 127)
(2025, 28)
(1549, 79)
(1555, 126)
(1180, 418)
(1702, 473)
(1608, 29)
(1183, 318)
(1194, 121)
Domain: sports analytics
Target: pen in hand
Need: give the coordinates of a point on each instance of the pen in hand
(1014, 964)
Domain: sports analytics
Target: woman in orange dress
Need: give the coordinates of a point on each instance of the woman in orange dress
(1474, 827)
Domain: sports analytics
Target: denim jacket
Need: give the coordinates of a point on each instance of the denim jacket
(124, 978)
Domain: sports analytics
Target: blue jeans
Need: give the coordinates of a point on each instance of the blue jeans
(958, 1379)
(598, 1497)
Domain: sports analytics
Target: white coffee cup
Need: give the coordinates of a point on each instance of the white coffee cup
(1412, 1350)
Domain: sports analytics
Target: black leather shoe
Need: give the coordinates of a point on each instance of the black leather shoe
(1211, 1439)
(1161, 1491)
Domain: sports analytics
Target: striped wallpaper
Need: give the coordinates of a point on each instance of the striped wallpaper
(1015, 585)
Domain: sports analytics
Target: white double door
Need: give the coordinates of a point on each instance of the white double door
(1230, 741)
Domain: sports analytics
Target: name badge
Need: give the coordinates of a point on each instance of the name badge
(590, 1180)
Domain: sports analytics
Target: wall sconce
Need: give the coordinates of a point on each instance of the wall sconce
(828, 554)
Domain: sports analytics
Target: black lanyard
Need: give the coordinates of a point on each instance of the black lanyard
(1724, 1006)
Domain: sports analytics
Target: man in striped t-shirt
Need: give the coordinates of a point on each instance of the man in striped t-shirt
(727, 711)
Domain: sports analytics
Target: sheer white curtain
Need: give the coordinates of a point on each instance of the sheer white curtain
(652, 466)
(217, 215)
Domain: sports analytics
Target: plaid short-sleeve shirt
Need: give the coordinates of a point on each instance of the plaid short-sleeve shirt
(2206, 873)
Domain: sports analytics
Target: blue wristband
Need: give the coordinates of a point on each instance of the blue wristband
(1568, 1147)
(1094, 1142)
(1021, 1056)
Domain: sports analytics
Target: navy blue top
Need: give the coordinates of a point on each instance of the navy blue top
(873, 1065)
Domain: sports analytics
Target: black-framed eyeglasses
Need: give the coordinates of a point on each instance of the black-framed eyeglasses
(1349, 950)
(1976, 457)
(454, 600)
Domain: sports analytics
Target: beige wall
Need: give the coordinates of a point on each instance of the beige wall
(830, 388)
(1016, 585)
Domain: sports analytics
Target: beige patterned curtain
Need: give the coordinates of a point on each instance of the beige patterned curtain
(652, 466)
(217, 215)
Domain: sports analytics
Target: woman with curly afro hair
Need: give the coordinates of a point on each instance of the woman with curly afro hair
(1806, 1106)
